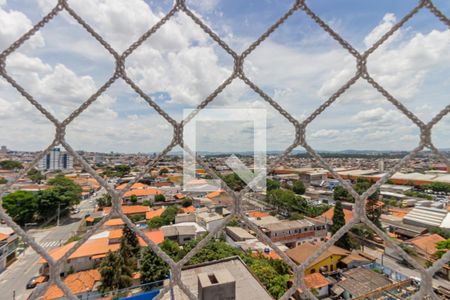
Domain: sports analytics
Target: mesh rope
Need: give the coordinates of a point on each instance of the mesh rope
(361, 73)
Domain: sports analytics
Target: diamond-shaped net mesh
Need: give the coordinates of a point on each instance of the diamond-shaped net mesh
(361, 73)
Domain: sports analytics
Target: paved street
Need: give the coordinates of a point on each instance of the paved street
(15, 277)
(394, 265)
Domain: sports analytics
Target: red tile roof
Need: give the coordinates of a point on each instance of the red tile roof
(315, 281)
(348, 215)
(427, 243)
(156, 236)
(78, 283)
(129, 209)
(142, 192)
(154, 213)
(135, 186)
(189, 209)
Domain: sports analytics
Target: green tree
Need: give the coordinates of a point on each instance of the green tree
(137, 218)
(275, 283)
(153, 268)
(168, 216)
(296, 216)
(272, 184)
(438, 187)
(21, 206)
(445, 233)
(163, 171)
(156, 222)
(104, 201)
(338, 223)
(288, 203)
(171, 248)
(68, 191)
(418, 195)
(160, 198)
(35, 175)
(122, 170)
(134, 199)
(130, 237)
(442, 247)
(362, 185)
(234, 181)
(374, 212)
(108, 272)
(3, 180)
(281, 199)
(115, 273)
(63, 193)
(117, 171)
(186, 202)
(10, 165)
(298, 187)
(341, 194)
(408, 249)
(214, 250)
(48, 202)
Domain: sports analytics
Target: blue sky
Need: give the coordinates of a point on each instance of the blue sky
(299, 66)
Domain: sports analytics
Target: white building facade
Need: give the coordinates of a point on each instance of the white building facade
(56, 160)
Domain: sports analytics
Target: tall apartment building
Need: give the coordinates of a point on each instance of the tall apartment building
(56, 160)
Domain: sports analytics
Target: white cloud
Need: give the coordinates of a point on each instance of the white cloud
(385, 25)
(182, 61)
(325, 133)
(14, 24)
(378, 117)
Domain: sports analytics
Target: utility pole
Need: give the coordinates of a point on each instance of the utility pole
(59, 208)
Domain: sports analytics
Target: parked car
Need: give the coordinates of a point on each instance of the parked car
(36, 280)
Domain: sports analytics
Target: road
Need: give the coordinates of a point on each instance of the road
(394, 265)
(15, 277)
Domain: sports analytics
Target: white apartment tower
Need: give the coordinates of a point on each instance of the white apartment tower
(56, 160)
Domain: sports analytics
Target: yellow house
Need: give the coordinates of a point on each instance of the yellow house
(326, 262)
(175, 178)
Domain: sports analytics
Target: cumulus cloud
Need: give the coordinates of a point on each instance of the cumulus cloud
(325, 133)
(180, 65)
(14, 24)
(385, 25)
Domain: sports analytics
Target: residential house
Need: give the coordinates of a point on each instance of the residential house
(154, 213)
(227, 278)
(220, 197)
(183, 232)
(318, 284)
(141, 191)
(90, 253)
(327, 216)
(326, 262)
(185, 217)
(209, 220)
(359, 282)
(129, 210)
(82, 284)
(9, 241)
(294, 232)
(143, 194)
(425, 245)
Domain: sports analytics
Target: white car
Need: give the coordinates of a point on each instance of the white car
(75, 211)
